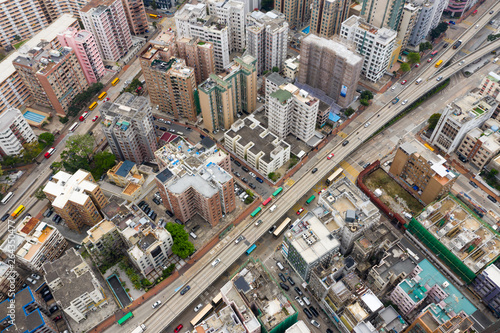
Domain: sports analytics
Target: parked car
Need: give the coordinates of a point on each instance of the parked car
(58, 318)
(473, 184)
(290, 280)
(252, 174)
(244, 180)
(178, 328)
(169, 213)
(308, 313)
(48, 298)
(297, 290)
(245, 169)
(147, 210)
(315, 323)
(54, 218)
(300, 301)
(156, 304)
(185, 290)
(313, 310)
(53, 309)
(195, 228)
(284, 286)
(282, 277)
(259, 180)
(237, 174)
(252, 186)
(237, 163)
(492, 199)
(35, 276)
(178, 221)
(163, 129)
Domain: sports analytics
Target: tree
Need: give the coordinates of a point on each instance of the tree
(413, 58)
(46, 139)
(433, 120)
(177, 231)
(77, 153)
(30, 151)
(267, 5)
(102, 162)
(364, 102)
(63, 120)
(39, 194)
(367, 94)
(276, 69)
(17, 37)
(440, 29)
(183, 249)
(425, 46)
(404, 67)
(154, 6)
(349, 111)
(1, 171)
(56, 167)
(83, 98)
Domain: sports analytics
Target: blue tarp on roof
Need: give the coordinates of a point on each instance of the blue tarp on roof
(333, 117)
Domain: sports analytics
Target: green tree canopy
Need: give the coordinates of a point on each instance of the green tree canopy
(177, 231)
(77, 153)
(276, 69)
(437, 31)
(364, 102)
(413, 58)
(349, 111)
(153, 4)
(82, 99)
(183, 249)
(367, 94)
(46, 139)
(30, 151)
(433, 120)
(425, 46)
(56, 167)
(102, 162)
(404, 67)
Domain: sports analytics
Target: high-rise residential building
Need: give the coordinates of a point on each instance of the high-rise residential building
(193, 21)
(14, 132)
(10, 280)
(13, 92)
(457, 8)
(107, 21)
(199, 55)
(35, 243)
(251, 5)
(428, 174)
(490, 85)
(428, 18)
(487, 286)
(53, 77)
(267, 39)
(87, 52)
(232, 14)
(20, 20)
(409, 19)
(150, 249)
(297, 12)
(327, 16)
(383, 13)
(128, 126)
(292, 111)
(330, 66)
(481, 144)
(459, 117)
(55, 8)
(74, 286)
(374, 44)
(136, 16)
(161, 4)
(225, 96)
(76, 198)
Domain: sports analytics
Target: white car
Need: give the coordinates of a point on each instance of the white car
(404, 102)
(198, 307)
(367, 124)
(239, 239)
(157, 304)
(252, 174)
(393, 88)
(300, 301)
(315, 323)
(216, 262)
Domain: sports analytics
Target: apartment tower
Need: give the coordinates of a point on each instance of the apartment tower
(107, 21)
(198, 55)
(87, 52)
(408, 21)
(232, 14)
(14, 132)
(428, 18)
(136, 16)
(297, 12)
(383, 13)
(330, 66)
(327, 16)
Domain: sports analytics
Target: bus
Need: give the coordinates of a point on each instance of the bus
(282, 227)
(18, 211)
(102, 95)
(268, 200)
(334, 176)
(124, 319)
(255, 212)
(92, 106)
(115, 81)
(154, 16)
(7, 198)
(202, 314)
(250, 250)
(73, 127)
(50, 152)
(278, 191)
(84, 116)
(310, 199)
(434, 53)
(438, 63)
(217, 299)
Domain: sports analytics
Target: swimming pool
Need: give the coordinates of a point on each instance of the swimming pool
(306, 30)
(35, 117)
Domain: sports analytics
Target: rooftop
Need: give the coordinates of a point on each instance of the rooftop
(276, 79)
(7, 117)
(124, 111)
(66, 187)
(27, 318)
(384, 35)
(347, 53)
(470, 106)
(125, 168)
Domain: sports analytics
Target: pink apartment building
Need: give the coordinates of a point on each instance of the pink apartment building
(87, 52)
(106, 20)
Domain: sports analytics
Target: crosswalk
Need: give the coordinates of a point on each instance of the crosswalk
(289, 182)
(467, 22)
(448, 40)
(342, 135)
(349, 171)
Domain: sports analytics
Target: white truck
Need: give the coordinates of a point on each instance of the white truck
(141, 328)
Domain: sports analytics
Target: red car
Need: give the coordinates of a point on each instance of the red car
(107, 99)
(429, 60)
(417, 65)
(403, 82)
(57, 318)
(178, 329)
(330, 156)
(323, 190)
(300, 211)
(95, 118)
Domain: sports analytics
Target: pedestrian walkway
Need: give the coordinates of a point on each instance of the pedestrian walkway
(289, 182)
(448, 40)
(349, 171)
(343, 135)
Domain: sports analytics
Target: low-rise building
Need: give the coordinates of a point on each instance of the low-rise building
(260, 148)
(298, 327)
(481, 144)
(101, 238)
(14, 132)
(325, 275)
(431, 321)
(74, 286)
(487, 286)
(221, 321)
(490, 85)
(123, 173)
(291, 68)
(427, 175)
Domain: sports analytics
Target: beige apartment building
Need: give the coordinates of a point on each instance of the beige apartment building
(224, 97)
(136, 16)
(76, 198)
(327, 16)
(198, 55)
(297, 12)
(427, 176)
(53, 76)
(481, 144)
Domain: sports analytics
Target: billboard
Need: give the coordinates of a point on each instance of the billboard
(343, 91)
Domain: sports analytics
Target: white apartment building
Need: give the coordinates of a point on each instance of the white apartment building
(106, 20)
(267, 39)
(409, 19)
(481, 144)
(232, 14)
(459, 117)
(376, 45)
(150, 249)
(251, 5)
(428, 18)
(192, 21)
(292, 66)
(264, 151)
(74, 287)
(14, 132)
(292, 111)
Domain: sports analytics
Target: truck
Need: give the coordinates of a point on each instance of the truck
(457, 44)
(395, 100)
(139, 329)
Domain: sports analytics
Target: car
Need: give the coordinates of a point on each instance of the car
(237, 174)
(330, 156)
(245, 169)
(147, 210)
(5, 217)
(58, 318)
(206, 131)
(252, 174)
(33, 281)
(153, 216)
(452, 22)
(244, 180)
(290, 280)
(156, 201)
(195, 228)
(445, 45)
(284, 286)
(146, 206)
(35, 276)
(163, 129)
(178, 328)
(300, 301)
(297, 290)
(439, 78)
(271, 230)
(232, 158)
(417, 65)
(198, 307)
(395, 100)
(301, 209)
(54, 218)
(473, 184)
(282, 277)
(329, 330)
(314, 170)
(308, 313)
(215, 262)
(367, 124)
(237, 163)
(259, 180)
(185, 290)
(345, 143)
(157, 127)
(404, 102)
(48, 298)
(491, 12)
(393, 88)
(156, 304)
(315, 323)
(169, 213)
(252, 186)
(53, 309)
(142, 203)
(58, 219)
(403, 82)
(239, 239)
(178, 221)
(366, 165)
(492, 199)
(95, 118)
(429, 60)
(314, 311)
(259, 222)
